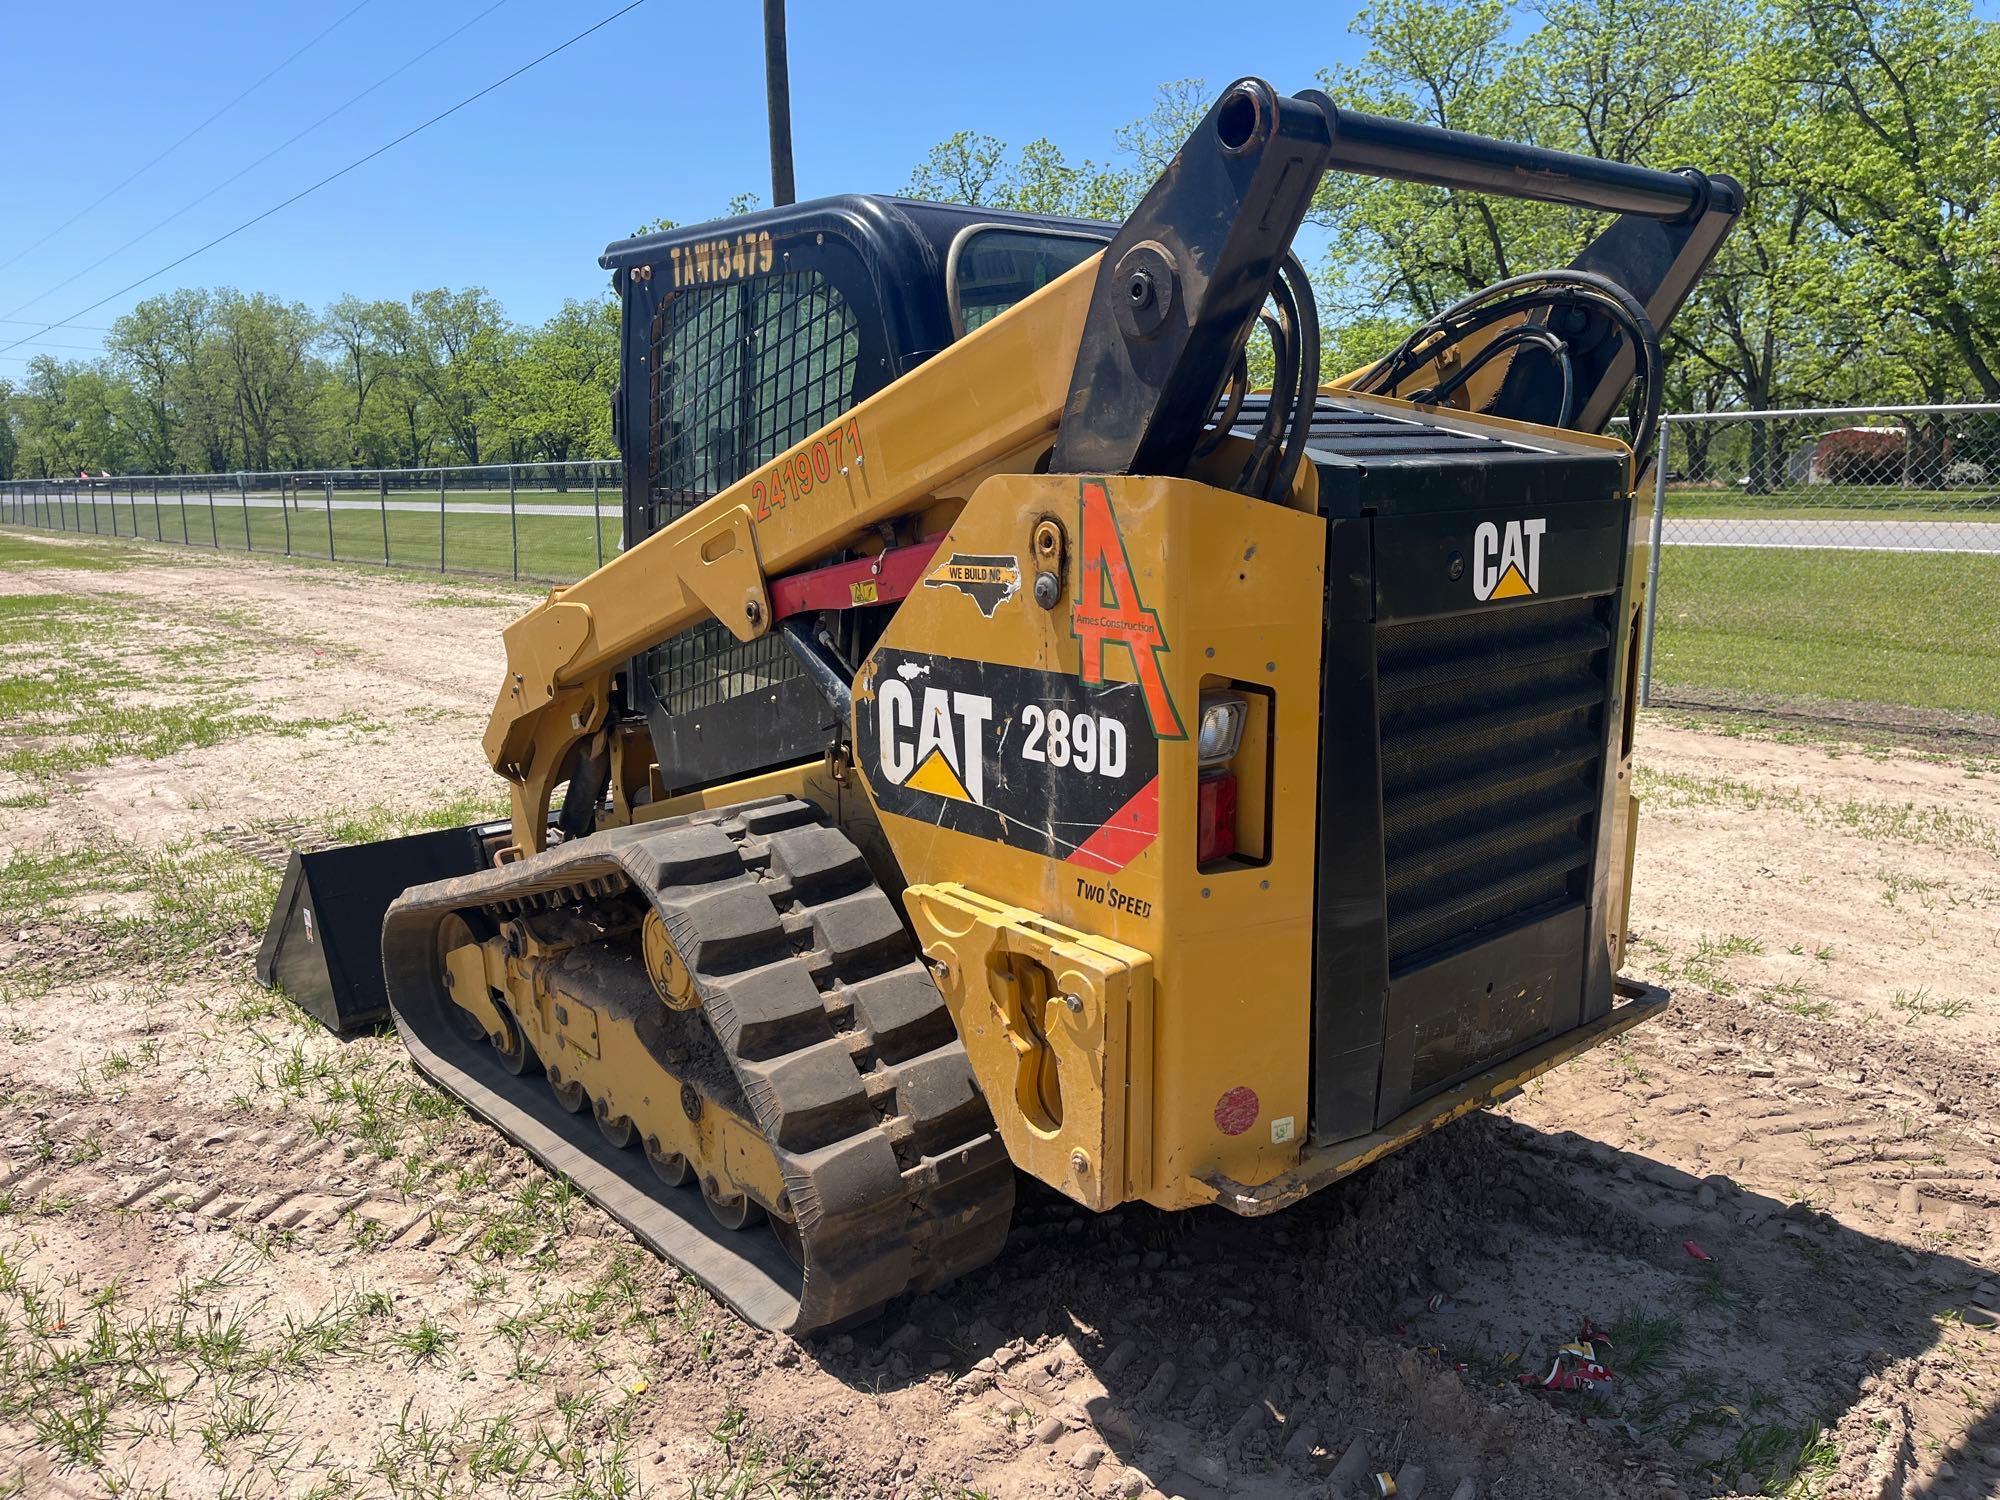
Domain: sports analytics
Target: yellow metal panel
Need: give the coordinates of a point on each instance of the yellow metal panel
(465, 978)
(576, 1026)
(1637, 1002)
(1236, 588)
(718, 563)
(1056, 1023)
(1625, 837)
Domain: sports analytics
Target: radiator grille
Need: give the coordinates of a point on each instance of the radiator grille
(1492, 743)
(739, 374)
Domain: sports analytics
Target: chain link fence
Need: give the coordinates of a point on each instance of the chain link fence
(542, 521)
(1842, 563)
(1839, 563)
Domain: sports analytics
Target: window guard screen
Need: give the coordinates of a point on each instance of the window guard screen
(739, 373)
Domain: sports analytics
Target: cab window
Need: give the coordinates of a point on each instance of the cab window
(996, 267)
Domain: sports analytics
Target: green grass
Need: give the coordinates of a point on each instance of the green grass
(1836, 502)
(1790, 1461)
(1920, 1004)
(559, 548)
(39, 620)
(18, 551)
(67, 694)
(1643, 1341)
(383, 822)
(1864, 627)
(197, 894)
(34, 881)
(1937, 826)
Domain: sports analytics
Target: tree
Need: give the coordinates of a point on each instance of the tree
(358, 335)
(958, 169)
(144, 349)
(557, 399)
(1153, 138)
(453, 346)
(1763, 326)
(1396, 245)
(9, 443)
(70, 418)
(1900, 108)
(266, 346)
(978, 169)
(1608, 78)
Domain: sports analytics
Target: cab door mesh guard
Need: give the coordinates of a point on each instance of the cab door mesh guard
(739, 374)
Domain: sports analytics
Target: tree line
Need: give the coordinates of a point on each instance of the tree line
(1865, 269)
(1866, 134)
(217, 380)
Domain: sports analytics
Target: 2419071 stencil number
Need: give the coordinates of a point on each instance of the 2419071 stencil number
(1092, 743)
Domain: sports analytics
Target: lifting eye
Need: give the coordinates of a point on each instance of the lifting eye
(1236, 121)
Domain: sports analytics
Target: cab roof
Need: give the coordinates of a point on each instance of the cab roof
(889, 225)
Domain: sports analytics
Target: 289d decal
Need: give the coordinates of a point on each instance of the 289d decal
(1037, 760)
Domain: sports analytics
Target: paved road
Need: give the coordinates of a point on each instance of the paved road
(1783, 534)
(228, 500)
(310, 507)
(1835, 536)
(1801, 533)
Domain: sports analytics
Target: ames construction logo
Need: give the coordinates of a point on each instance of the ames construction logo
(1507, 560)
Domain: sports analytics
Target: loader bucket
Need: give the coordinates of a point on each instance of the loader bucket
(323, 946)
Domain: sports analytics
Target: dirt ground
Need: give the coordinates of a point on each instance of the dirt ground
(239, 1257)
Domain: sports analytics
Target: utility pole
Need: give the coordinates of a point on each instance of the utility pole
(778, 89)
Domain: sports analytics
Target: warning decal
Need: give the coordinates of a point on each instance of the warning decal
(1036, 760)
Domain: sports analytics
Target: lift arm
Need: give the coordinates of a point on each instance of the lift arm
(879, 461)
(1117, 367)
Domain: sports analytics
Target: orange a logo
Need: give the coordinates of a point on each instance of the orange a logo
(1108, 610)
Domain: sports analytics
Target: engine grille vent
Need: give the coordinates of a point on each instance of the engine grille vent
(1492, 732)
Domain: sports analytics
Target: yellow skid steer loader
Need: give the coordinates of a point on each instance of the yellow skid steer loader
(1011, 742)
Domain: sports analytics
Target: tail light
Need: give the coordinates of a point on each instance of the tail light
(1215, 816)
(1217, 738)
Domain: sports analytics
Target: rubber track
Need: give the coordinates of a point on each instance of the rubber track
(847, 1058)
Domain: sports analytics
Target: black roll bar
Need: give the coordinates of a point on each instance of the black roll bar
(1382, 147)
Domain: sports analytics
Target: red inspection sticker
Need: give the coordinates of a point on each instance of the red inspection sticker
(1236, 1111)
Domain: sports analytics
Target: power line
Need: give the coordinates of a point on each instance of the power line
(243, 171)
(74, 327)
(126, 182)
(334, 176)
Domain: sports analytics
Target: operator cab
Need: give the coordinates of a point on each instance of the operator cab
(741, 338)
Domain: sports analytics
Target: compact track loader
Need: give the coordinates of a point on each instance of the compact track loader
(1009, 741)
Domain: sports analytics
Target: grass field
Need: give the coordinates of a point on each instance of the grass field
(557, 548)
(1866, 627)
(1860, 627)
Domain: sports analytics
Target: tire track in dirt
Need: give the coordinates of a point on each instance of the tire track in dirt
(156, 1160)
(1842, 1178)
(1849, 1178)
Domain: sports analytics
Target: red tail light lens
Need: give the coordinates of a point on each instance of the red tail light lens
(1215, 817)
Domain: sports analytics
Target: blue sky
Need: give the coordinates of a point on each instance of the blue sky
(660, 113)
